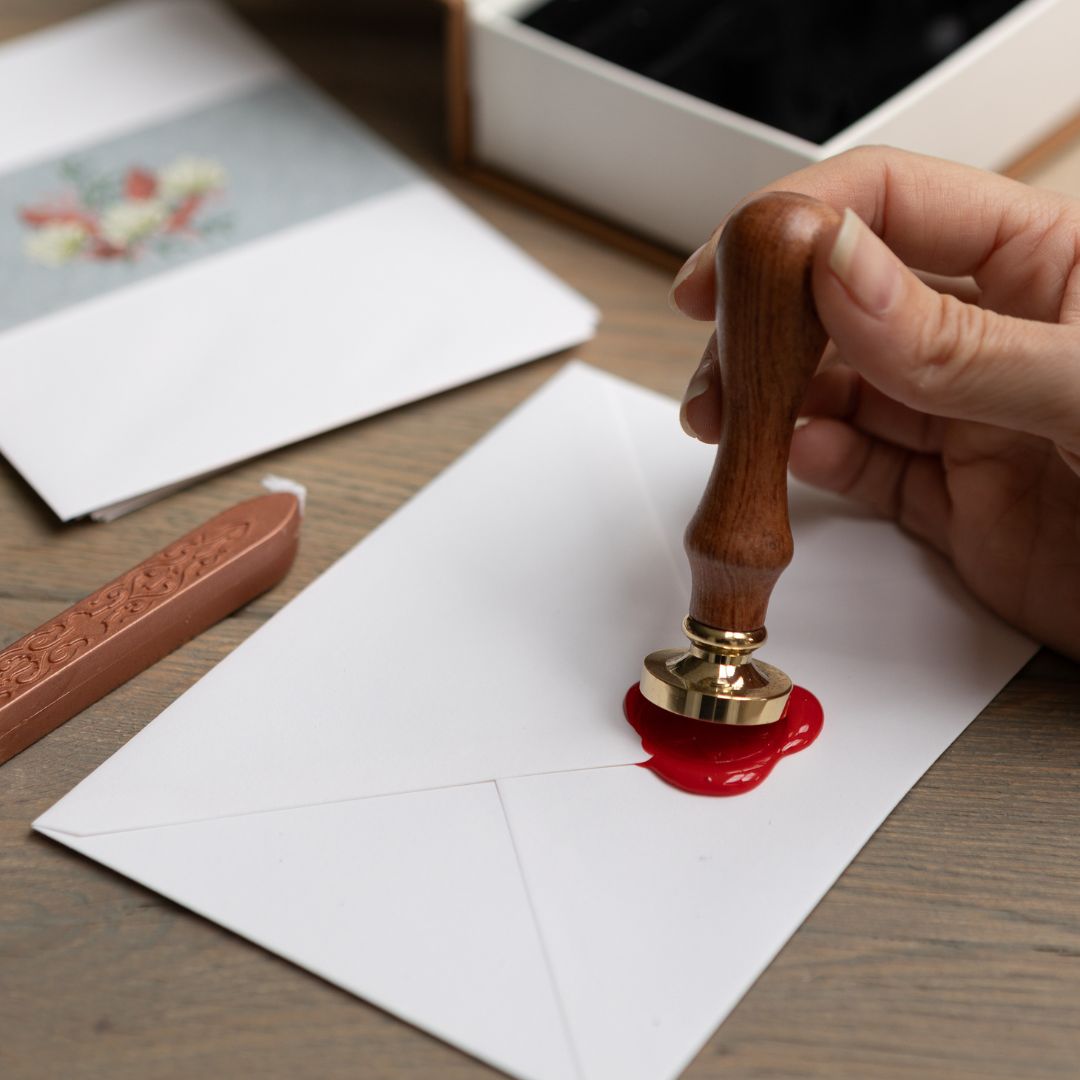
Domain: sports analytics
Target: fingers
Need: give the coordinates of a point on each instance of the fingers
(837, 392)
(901, 484)
(840, 393)
(963, 288)
(859, 443)
(693, 292)
(936, 215)
(700, 411)
(936, 354)
(1071, 459)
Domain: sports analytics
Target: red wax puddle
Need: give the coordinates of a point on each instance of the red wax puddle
(720, 759)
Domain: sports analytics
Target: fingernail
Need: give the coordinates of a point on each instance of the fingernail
(1071, 459)
(685, 271)
(699, 384)
(869, 270)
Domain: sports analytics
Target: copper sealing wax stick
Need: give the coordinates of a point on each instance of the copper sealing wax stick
(769, 343)
(76, 658)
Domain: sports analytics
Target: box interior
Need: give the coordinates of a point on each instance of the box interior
(807, 69)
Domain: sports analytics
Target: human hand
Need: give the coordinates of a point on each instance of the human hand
(952, 407)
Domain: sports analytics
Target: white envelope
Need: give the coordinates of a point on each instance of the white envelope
(321, 278)
(416, 782)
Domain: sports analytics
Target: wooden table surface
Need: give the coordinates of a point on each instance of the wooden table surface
(949, 949)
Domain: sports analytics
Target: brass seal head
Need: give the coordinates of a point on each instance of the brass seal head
(716, 680)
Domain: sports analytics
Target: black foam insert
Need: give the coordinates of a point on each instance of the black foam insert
(810, 68)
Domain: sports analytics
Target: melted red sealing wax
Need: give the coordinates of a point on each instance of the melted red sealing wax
(720, 759)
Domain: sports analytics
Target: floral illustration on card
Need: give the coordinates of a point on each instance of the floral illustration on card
(126, 215)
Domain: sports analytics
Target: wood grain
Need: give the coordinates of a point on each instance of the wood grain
(770, 340)
(950, 949)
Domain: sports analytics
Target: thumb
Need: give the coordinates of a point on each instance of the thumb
(936, 353)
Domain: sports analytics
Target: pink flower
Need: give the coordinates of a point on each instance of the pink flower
(140, 184)
(105, 220)
(180, 220)
(58, 214)
(102, 249)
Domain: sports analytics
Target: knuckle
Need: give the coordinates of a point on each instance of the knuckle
(948, 344)
(866, 155)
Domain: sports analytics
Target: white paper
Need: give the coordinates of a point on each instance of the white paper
(547, 561)
(118, 68)
(211, 352)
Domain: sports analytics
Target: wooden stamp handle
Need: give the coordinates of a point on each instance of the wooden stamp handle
(769, 341)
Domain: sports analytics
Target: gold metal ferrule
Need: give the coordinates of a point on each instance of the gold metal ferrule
(716, 679)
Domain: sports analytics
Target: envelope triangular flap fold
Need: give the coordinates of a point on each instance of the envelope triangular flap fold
(487, 629)
(679, 902)
(414, 902)
(529, 580)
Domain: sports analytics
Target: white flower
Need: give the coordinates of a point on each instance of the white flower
(126, 222)
(55, 244)
(189, 176)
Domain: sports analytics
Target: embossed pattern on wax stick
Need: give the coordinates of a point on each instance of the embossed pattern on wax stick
(71, 661)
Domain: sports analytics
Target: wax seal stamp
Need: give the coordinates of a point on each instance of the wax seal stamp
(769, 343)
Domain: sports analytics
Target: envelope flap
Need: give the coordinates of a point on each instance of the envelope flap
(414, 902)
(488, 629)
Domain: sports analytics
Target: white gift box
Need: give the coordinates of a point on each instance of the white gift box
(667, 166)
